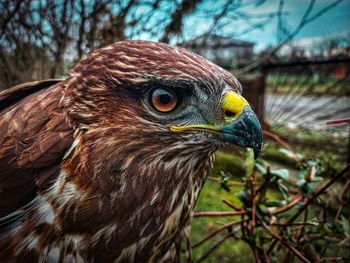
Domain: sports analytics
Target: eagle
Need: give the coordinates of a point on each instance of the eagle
(106, 165)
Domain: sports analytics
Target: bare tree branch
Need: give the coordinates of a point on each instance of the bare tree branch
(175, 25)
(303, 22)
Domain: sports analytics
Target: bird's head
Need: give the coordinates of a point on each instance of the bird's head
(153, 95)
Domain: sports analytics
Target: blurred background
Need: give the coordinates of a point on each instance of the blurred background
(292, 57)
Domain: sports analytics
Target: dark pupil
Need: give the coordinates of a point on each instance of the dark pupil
(164, 98)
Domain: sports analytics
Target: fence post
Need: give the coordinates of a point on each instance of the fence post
(260, 88)
(254, 92)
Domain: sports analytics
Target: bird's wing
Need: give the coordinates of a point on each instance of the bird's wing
(16, 93)
(34, 137)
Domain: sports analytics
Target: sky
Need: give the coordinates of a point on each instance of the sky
(335, 22)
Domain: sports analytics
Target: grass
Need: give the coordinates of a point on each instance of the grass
(231, 250)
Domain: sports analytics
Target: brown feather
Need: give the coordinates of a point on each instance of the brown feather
(88, 172)
(33, 141)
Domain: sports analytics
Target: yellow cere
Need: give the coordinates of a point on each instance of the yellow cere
(233, 104)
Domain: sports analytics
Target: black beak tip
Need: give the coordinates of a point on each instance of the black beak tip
(245, 132)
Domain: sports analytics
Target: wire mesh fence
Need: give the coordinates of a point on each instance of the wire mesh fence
(299, 99)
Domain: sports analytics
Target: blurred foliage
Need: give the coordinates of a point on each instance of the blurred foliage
(316, 78)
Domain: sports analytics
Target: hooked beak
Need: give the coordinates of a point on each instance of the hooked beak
(245, 131)
(241, 127)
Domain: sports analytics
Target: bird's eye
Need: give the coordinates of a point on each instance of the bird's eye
(163, 99)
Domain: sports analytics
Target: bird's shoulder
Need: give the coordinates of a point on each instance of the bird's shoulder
(34, 136)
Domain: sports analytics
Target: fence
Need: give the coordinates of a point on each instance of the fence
(296, 99)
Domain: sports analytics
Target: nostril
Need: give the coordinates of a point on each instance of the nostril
(229, 114)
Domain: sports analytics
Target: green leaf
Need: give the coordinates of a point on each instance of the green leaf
(311, 163)
(222, 174)
(260, 168)
(273, 203)
(304, 187)
(281, 173)
(316, 179)
(301, 174)
(299, 205)
(225, 187)
(344, 225)
(244, 197)
(260, 233)
(287, 153)
(283, 189)
(299, 156)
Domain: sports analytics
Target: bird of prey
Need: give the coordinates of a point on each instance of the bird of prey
(106, 165)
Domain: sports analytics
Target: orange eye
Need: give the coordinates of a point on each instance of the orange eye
(163, 99)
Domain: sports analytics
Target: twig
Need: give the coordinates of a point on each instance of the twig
(263, 188)
(198, 214)
(302, 231)
(296, 224)
(280, 141)
(286, 244)
(341, 200)
(288, 206)
(319, 192)
(229, 204)
(229, 183)
(304, 21)
(10, 16)
(256, 255)
(333, 259)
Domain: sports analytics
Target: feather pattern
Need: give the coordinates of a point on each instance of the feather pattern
(88, 173)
